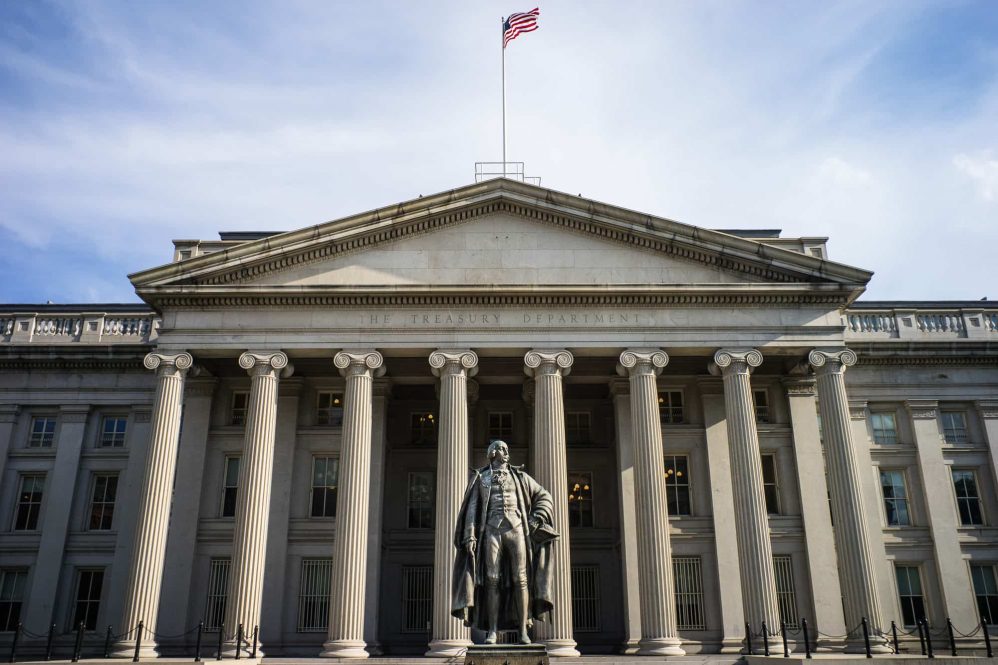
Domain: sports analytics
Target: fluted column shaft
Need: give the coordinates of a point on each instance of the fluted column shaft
(346, 603)
(856, 568)
(755, 550)
(249, 541)
(658, 610)
(548, 368)
(141, 602)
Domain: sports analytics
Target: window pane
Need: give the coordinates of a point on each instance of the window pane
(42, 432)
(677, 484)
(769, 484)
(884, 428)
(580, 500)
(895, 498)
(670, 407)
(11, 598)
(329, 410)
(324, 483)
(954, 427)
(910, 594)
(29, 503)
(230, 487)
(985, 590)
(88, 592)
(102, 502)
(420, 500)
(113, 432)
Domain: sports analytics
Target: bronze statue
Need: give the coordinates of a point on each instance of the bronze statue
(503, 536)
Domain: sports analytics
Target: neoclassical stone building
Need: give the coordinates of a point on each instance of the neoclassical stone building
(280, 436)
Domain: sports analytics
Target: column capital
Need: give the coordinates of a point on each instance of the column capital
(453, 361)
(142, 414)
(620, 386)
(262, 362)
(735, 361)
(201, 387)
(473, 391)
(799, 386)
(987, 408)
(831, 361)
(922, 409)
(541, 362)
(354, 362)
(642, 361)
(9, 412)
(169, 363)
(74, 413)
(857, 409)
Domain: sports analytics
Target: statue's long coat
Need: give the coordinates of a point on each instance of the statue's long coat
(468, 600)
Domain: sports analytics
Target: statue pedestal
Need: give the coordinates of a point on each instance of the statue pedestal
(506, 654)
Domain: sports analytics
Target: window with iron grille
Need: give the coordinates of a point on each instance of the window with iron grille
(761, 399)
(580, 499)
(968, 497)
(420, 500)
(910, 594)
(677, 484)
(88, 591)
(329, 409)
(670, 407)
(578, 428)
(313, 596)
(955, 426)
(325, 474)
(112, 432)
(29, 502)
(423, 428)
(585, 599)
(895, 498)
(42, 432)
(770, 484)
(687, 576)
(217, 593)
(885, 428)
(11, 598)
(984, 588)
(102, 501)
(417, 598)
(786, 595)
(501, 425)
(240, 404)
(230, 486)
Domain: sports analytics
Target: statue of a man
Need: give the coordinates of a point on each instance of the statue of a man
(503, 538)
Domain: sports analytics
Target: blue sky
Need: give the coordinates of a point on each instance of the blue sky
(124, 125)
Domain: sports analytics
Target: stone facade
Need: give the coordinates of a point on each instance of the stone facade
(278, 439)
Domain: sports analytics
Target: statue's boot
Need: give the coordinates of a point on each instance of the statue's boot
(492, 602)
(523, 612)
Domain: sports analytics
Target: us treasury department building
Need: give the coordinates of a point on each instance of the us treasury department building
(280, 436)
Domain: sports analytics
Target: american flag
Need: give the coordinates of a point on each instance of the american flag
(517, 23)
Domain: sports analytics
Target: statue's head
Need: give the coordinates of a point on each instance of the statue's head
(498, 451)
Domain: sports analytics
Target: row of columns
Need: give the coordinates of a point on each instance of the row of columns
(454, 367)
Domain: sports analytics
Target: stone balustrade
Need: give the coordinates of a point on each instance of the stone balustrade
(971, 320)
(65, 326)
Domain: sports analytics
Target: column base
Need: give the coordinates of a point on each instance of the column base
(126, 649)
(344, 649)
(448, 648)
(561, 648)
(229, 650)
(630, 647)
(660, 646)
(732, 645)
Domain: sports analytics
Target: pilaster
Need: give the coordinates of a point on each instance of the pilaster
(988, 412)
(8, 420)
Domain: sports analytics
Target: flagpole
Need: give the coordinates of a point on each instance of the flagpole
(502, 37)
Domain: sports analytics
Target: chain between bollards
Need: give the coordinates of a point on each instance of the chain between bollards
(48, 644)
(807, 640)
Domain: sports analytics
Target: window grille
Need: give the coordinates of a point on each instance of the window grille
(578, 428)
(501, 425)
(677, 484)
(112, 432)
(786, 595)
(218, 593)
(423, 427)
(885, 428)
(585, 599)
(770, 484)
(968, 498)
(230, 486)
(42, 432)
(955, 427)
(984, 588)
(88, 590)
(102, 502)
(417, 598)
(240, 404)
(313, 598)
(687, 575)
(761, 399)
(670, 407)
(910, 594)
(325, 476)
(11, 598)
(29, 502)
(895, 498)
(580, 500)
(329, 409)
(420, 500)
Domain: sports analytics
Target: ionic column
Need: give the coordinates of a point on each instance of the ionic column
(857, 571)
(256, 468)
(347, 596)
(755, 551)
(141, 602)
(450, 637)
(547, 367)
(658, 610)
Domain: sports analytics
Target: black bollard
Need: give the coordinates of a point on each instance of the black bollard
(921, 637)
(48, 644)
(748, 639)
(256, 630)
(894, 637)
(239, 640)
(952, 638)
(866, 637)
(107, 642)
(138, 641)
(17, 638)
(78, 645)
(783, 634)
(765, 639)
(221, 638)
(807, 640)
(987, 638)
(928, 639)
(197, 643)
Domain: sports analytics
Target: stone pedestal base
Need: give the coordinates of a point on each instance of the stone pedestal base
(126, 649)
(506, 654)
(447, 648)
(344, 649)
(660, 646)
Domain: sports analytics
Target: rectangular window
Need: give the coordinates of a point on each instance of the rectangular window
(688, 578)
(984, 588)
(102, 501)
(313, 596)
(895, 498)
(11, 598)
(770, 484)
(761, 399)
(786, 596)
(670, 407)
(585, 599)
(112, 432)
(42, 432)
(217, 593)
(955, 427)
(677, 484)
(329, 409)
(417, 598)
(423, 428)
(420, 500)
(240, 404)
(910, 594)
(230, 486)
(325, 476)
(885, 428)
(501, 425)
(29, 502)
(968, 498)
(580, 499)
(578, 428)
(88, 590)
